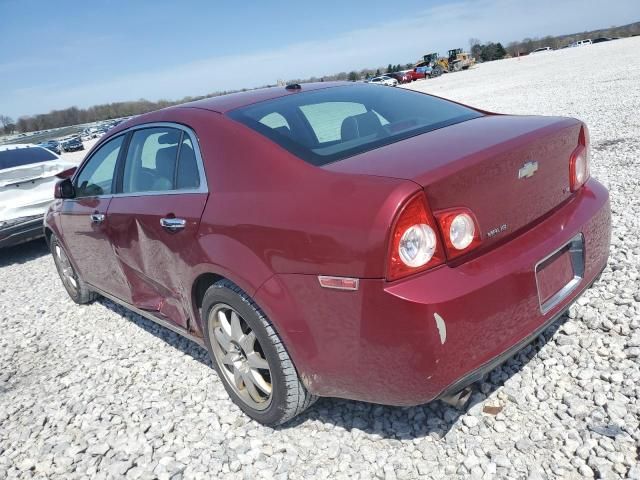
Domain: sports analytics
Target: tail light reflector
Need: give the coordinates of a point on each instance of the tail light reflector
(338, 283)
(414, 245)
(579, 163)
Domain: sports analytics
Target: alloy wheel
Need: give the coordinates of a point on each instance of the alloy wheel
(66, 269)
(240, 357)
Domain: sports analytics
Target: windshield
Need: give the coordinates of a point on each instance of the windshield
(24, 156)
(327, 125)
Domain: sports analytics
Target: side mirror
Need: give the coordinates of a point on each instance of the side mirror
(64, 189)
(68, 173)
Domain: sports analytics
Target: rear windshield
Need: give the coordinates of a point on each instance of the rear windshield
(24, 156)
(323, 126)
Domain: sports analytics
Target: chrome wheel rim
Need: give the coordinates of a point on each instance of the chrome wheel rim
(240, 357)
(66, 270)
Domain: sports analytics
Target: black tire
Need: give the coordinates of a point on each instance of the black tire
(288, 397)
(73, 284)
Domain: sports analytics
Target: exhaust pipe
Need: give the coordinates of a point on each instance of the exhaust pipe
(458, 400)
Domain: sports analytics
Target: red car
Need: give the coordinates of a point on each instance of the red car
(414, 74)
(337, 239)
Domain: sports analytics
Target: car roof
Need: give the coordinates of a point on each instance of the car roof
(225, 103)
(16, 146)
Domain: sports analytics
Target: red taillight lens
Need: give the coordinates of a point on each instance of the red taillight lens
(415, 245)
(579, 163)
(460, 231)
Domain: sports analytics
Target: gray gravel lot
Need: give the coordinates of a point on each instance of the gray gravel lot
(96, 391)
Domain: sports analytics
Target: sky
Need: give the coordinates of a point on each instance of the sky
(57, 54)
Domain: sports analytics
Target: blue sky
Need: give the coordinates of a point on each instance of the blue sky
(61, 53)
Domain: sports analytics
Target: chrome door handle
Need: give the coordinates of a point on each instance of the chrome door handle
(173, 224)
(97, 217)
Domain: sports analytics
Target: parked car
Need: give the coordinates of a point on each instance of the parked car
(89, 133)
(542, 50)
(28, 174)
(337, 239)
(401, 77)
(72, 144)
(601, 40)
(384, 80)
(52, 145)
(581, 43)
(420, 73)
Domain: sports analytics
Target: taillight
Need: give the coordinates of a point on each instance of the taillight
(459, 229)
(579, 162)
(415, 245)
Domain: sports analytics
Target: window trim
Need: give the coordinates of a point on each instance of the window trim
(119, 172)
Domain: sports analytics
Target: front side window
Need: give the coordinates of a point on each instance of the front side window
(96, 177)
(333, 123)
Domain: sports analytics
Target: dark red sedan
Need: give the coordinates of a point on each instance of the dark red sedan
(337, 239)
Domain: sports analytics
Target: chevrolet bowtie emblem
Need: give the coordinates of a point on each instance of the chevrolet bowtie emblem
(528, 169)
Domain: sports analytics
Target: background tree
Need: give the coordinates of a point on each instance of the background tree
(353, 76)
(482, 52)
(5, 120)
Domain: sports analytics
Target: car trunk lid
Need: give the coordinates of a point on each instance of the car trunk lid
(509, 170)
(27, 190)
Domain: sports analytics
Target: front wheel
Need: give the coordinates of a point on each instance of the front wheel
(73, 284)
(250, 358)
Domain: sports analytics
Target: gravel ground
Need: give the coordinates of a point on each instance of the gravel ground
(95, 391)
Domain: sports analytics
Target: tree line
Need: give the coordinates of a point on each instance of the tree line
(528, 45)
(483, 52)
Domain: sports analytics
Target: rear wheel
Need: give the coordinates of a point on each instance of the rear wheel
(250, 358)
(73, 284)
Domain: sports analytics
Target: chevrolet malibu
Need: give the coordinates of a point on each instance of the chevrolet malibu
(336, 239)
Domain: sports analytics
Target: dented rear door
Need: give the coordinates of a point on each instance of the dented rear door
(155, 215)
(155, 258)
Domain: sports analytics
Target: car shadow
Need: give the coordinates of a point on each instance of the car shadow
(23, 252)
(186, 346)
(435, 419)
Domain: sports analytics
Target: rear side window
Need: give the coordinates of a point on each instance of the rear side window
(323, 126)
(24, 156)
(187, 176)
(151, 160)
(160, 159)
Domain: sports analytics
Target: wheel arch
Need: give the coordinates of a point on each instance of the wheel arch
(47, 235)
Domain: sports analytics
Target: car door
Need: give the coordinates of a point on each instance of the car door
(85, 224)
(154, 218)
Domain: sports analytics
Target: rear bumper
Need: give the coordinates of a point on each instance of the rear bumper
(23, 232)
(411, 341)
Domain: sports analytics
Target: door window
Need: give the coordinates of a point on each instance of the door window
(160, 159)
(151, 160)
(96, 177)
(187, 176)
